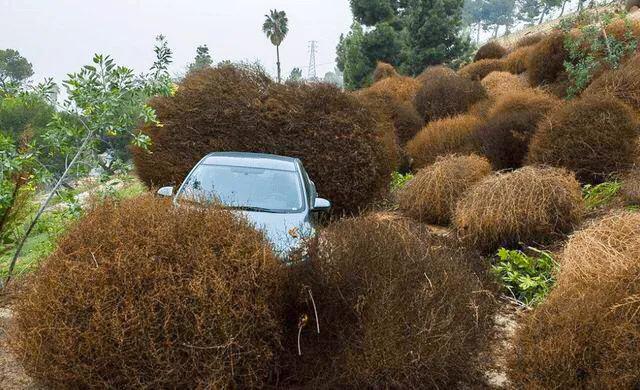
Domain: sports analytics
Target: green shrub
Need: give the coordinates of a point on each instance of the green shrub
(601, 194)
(399, 180)
(590, 50)
(42, 241)
(528, 278)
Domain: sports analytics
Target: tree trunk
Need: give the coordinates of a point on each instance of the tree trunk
(278, 59)
(544, 12)
(44, 205)
(495, 31)
(478, 34)
(564, 3)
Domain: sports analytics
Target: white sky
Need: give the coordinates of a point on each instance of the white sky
(59, 36)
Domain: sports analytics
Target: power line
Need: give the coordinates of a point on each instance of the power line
(311, 72)
(318, 65)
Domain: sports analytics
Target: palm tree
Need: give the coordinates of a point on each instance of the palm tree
(276, 28)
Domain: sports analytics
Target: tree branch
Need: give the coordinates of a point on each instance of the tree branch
(43, 206)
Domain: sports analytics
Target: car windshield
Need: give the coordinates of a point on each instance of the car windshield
(246, 188)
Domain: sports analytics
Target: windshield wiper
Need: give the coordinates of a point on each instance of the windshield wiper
(251, 208)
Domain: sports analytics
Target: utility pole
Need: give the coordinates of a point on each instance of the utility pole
(311, 73)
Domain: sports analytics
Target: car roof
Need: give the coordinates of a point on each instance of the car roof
(253, 160)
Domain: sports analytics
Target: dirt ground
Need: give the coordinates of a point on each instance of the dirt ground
(12, 376)
(493, 361)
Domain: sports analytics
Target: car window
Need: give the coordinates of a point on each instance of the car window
(245, 187)
(308, 186)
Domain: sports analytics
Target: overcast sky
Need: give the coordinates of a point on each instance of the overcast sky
(59, 36)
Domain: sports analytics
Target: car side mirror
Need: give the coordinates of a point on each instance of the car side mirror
(166, 191)
(321, 204)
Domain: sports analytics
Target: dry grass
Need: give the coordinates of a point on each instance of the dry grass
(587, 333)
(529, 40)
(435, 71)
(231, 108)
(141, 294)
(444, 93)
(631, 5)
(559, 87)
(401, 87)
(630, 189)
(623, 83)
(594, 136)
(545, 62)
(442, 137)
(403, 116)
(481, 109)
(500, 83)
(387, 134)
(623, 30)
(516, 61)
(490, 50)
(397, 308)
(383, 71)
(478, 70)
(532, 205)
(504, 136)
(432, 194)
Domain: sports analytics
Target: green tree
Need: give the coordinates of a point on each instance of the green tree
(352, 60)
(383, 43)
(409, 34)
(295, 76)
(372, 12)
(276, 27)
(24, 111)
(334, 78)
(529, 11)
(496, 13)
(472, 15)
(432, 33)
(202, 60)
(547, 6)
(18, 167)
(24, 156)
(14, 69)
(104, 100)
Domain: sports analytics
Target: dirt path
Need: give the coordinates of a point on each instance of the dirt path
(494, 360)
(12, 376)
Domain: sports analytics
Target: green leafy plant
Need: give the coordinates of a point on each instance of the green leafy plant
(529, 278)
(593, 49)
(399, 180)
(105, 101)
(19, 168)
(601, 194)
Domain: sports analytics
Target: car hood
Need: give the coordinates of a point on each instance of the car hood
(284, 231)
